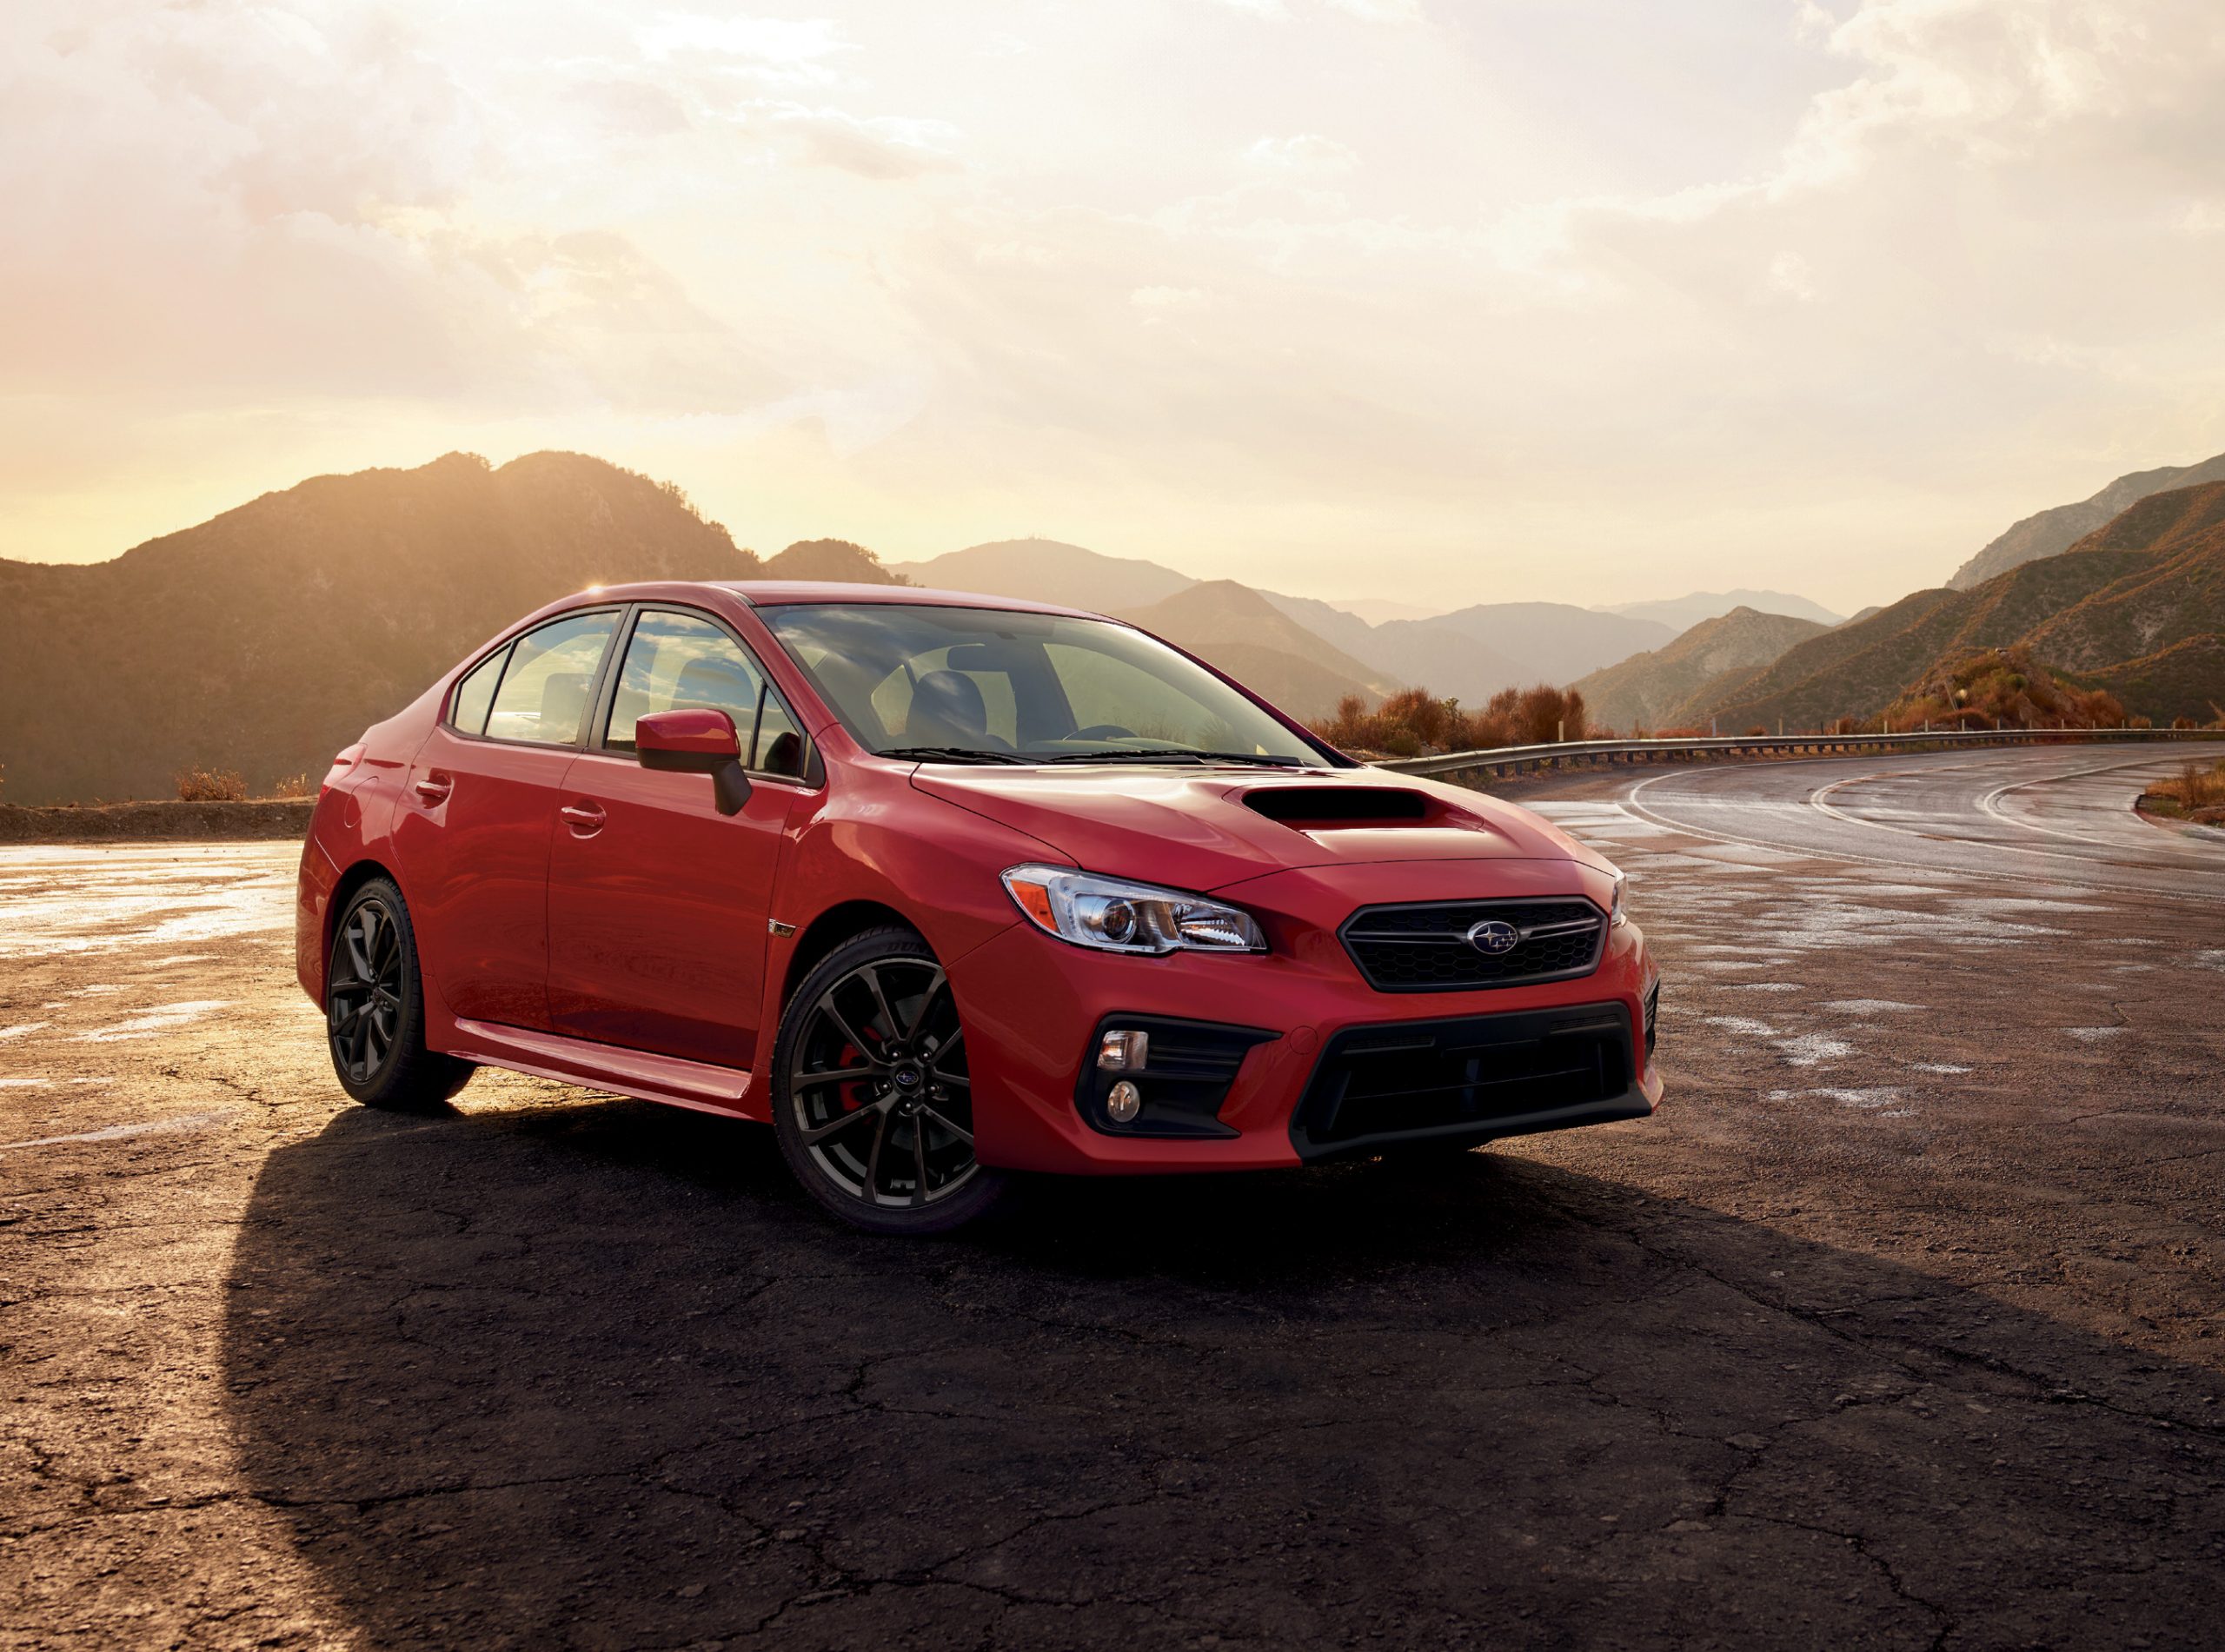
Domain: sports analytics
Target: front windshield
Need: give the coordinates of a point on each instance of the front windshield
(992, 684)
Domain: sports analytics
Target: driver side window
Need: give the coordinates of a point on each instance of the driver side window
(677, 662)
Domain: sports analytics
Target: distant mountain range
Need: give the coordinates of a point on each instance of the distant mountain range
(1251, 638)
(1468, 654)
(2136, 607)
(1048, 570)
(1682, 613)
(266, 637)
(1650, 690)
(2050, 532)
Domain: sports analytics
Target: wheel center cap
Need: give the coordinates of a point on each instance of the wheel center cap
(906, 1077)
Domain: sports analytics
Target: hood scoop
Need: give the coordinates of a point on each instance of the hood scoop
(1312, 808)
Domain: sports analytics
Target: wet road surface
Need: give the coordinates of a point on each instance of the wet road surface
(1898, 1326)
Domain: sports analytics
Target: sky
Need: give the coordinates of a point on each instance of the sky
(1436, 300)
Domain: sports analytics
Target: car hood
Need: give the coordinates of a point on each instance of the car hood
(1207, 828)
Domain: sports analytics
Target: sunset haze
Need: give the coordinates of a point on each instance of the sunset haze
(1588, 302)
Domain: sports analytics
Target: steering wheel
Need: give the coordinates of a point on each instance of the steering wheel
(1103, 731)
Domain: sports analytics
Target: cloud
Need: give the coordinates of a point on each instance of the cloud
(1366, 10)
(793, 49)
(1306, 152)
(1380, 10)
(1790, 276)
(1160, 299)
(880, 147)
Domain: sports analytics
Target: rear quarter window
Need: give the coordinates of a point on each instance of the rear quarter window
(467, 707)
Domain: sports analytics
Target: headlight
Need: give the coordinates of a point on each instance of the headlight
(1114, 915)
(1616, 916)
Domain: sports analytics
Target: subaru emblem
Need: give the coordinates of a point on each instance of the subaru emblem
(1494, 936)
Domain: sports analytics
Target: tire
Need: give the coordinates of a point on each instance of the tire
(375, 1008)
(889, 1147)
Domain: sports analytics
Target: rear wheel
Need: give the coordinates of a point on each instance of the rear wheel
(872, 1094)
(375, 1007)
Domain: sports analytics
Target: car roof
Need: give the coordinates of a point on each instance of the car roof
(769, 594)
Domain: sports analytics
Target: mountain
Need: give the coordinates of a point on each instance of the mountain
(1555, 641)
(830, 559)
(2052, 531)
(1684, 612)
(1239, 630)
(1044, 570)
(265, 639)
(1647, 689)
(2137, 606)
(1377, 610)
(1468, 655)
(1471, 654)
(1329, 620)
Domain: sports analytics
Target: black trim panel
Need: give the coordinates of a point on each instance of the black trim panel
(1468, 1079)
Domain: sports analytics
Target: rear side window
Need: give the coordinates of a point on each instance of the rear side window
(467, 711)
(543, 695)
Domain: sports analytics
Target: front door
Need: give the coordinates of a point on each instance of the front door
(479, 810)
(658, 903)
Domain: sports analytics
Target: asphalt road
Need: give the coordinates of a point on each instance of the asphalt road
(1899, 1326)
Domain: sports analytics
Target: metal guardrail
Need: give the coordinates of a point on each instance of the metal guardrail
(1514, 759)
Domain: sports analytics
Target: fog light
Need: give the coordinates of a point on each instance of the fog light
(1124, 1051)
(1124, 1103)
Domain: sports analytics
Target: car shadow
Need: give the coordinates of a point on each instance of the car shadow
(600, 1375)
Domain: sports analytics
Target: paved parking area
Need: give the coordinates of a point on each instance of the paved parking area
(1898, 1326)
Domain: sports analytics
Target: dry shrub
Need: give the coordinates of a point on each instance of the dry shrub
(207, 786)
(295, 785)
(1415, 723)
(2195, 792)
(2001, 688)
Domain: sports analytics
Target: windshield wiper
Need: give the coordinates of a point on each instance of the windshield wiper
(1174, 754)
(950, 754)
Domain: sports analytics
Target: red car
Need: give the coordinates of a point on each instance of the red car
(946, 888)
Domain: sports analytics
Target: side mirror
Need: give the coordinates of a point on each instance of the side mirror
(699, 741)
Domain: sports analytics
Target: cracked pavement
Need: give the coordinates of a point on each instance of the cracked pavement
(1898, 1326)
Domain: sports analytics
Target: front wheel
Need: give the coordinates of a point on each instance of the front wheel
(375, 1008)
(871, 1091)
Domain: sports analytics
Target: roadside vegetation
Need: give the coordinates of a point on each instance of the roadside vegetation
(1416, 723)
(2194, 793)
(211, 786)
(2003, 688)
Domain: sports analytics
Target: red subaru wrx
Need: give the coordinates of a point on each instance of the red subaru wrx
(946, 887)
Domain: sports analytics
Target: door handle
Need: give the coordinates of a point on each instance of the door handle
(433, 789)
(585, 818)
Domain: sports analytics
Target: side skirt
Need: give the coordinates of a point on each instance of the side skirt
(604, 1066)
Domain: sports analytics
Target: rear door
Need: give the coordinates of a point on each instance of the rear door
(479, 808)
(657, 903)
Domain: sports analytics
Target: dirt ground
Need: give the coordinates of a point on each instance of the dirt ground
(1898, 1326)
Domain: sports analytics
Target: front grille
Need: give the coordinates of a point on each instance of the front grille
(1424, 947)
(1476, 1076)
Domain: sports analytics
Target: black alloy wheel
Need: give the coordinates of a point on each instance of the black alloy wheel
(374, 1007)
(873, 1099)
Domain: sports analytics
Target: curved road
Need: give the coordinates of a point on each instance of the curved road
(2062, 815)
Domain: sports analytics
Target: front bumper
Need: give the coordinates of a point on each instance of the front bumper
(1034, 1005)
